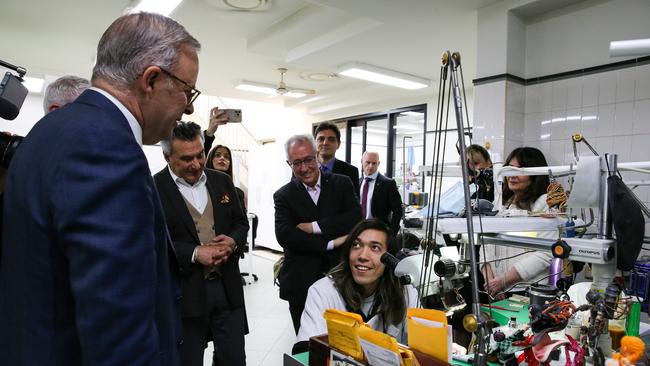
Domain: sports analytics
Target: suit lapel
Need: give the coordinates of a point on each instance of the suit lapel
(378, 184)
(170, 189)
(217, 213)
(304, 198)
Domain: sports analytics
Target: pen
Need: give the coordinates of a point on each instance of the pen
(499, 308)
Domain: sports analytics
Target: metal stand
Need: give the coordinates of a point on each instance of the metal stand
(482, 333)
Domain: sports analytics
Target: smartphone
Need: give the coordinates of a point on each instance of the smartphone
(234, 115)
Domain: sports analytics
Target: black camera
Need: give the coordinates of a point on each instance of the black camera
(484, 179)
(8, 145)
(12, 96)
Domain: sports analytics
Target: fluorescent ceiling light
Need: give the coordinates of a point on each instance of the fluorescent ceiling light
(255, 87)
(33, 85)
(380, 75)
(164, 7)
(265, 89)
(407, 128)
(412, 113)
(376, 130)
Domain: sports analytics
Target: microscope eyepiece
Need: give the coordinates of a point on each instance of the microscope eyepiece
(389, 260)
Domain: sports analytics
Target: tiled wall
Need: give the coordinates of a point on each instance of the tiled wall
(610, 109)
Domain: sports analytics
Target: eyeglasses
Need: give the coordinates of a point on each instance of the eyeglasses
(191, 93)
(297, 163)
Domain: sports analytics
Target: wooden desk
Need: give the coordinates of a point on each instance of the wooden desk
(319, 353)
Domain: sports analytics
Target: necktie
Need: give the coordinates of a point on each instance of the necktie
(364, 198)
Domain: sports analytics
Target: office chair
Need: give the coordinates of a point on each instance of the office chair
(250, 245)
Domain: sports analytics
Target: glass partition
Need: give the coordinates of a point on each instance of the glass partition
(377, 141)
(408, 152)
(356, 146)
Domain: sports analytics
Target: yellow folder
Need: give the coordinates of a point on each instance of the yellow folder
(408, 358)
(427, 332)
(342, 329)
(378, 347)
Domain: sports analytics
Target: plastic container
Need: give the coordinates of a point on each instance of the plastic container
(633, 319)
(639, 282)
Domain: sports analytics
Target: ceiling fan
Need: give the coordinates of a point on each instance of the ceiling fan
(279, 89)
(283, 89)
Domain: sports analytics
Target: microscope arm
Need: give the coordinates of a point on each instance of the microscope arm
(599, 251)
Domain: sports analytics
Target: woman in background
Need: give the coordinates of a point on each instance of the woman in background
(220, 159)
(526, 193)
(478, 160)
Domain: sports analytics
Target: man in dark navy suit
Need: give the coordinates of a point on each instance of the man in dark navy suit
(380, 198)
(313, 213)
(328, 140)
(88, 274)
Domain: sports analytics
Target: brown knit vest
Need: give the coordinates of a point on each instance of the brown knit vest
(204, 224)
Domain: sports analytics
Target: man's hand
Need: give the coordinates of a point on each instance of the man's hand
(339, 241)
(225, 244)
(217, 118)
(209, 255)
(306, 227)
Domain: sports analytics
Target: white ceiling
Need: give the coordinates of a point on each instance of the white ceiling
(59, 37)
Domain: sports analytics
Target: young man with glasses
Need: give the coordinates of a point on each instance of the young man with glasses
(313, 213)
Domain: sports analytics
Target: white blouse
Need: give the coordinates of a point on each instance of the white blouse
(530, 266)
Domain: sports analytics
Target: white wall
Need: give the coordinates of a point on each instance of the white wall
(578, 36)
(30, 113)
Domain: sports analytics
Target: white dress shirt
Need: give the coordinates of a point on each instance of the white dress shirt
(371, 190)
(196, 194)
(314, 193)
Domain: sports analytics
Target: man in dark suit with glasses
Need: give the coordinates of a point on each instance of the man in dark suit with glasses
(313, 213)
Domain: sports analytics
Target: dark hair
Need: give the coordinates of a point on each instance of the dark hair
(527, 157)
(474, 149)
(389, 293)
(184, 131)
(328, 126)
(208, 164)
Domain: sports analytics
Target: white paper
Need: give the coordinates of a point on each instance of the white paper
(379, 356)
(337, 358)
(427, 322)
(586, 187)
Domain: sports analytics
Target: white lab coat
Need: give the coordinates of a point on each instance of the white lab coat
(323, 295)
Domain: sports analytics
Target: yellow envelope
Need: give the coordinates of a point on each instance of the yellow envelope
(408, 358)
(427, 332)
(342, 329)
(378, 346)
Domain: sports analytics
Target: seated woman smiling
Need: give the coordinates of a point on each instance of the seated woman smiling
(362, 284)
(526, 193)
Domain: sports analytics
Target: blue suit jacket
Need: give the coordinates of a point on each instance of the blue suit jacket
(85, 276)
